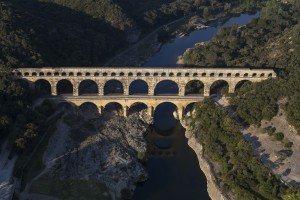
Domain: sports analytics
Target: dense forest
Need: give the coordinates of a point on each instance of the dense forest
(77, 33)
(269, 41)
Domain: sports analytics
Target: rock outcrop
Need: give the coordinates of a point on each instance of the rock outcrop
(103, 149)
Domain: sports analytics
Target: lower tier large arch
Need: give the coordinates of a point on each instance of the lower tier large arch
(114, 108)
(137, 107)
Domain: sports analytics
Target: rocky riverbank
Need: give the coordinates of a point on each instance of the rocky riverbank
(97, 149)
(206, 166)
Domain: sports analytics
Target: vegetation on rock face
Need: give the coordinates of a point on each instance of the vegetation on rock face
(239, 171)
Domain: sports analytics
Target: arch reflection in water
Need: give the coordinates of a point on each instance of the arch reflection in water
(163, 116)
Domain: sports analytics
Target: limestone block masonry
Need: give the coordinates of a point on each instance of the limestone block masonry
(152, 76)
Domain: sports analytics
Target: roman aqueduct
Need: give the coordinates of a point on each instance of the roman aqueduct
(57, 80)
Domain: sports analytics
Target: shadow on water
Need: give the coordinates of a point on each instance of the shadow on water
(173, 167)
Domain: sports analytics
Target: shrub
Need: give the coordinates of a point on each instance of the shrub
(279, 136)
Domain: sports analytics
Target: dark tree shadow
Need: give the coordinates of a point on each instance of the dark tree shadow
(66, 37)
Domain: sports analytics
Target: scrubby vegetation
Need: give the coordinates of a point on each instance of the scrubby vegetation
(239, 171)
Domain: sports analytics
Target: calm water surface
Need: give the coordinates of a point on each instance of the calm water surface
(173, 167)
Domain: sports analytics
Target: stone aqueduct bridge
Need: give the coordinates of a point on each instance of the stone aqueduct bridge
(152, 76)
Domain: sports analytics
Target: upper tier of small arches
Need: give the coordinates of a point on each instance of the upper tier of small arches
(142, 74)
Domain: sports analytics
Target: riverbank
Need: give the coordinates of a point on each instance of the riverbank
(205, 165)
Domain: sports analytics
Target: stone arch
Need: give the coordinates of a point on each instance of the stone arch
(164, 115)
(43, 86)
(138, 87)
(189, 108)
(114, 108)
(88, 87)
(113, 86)
(166, 87)
(219, 87)
(241, 84)
(89, 110)
(194, 87)
(64, 86)
(137, 107)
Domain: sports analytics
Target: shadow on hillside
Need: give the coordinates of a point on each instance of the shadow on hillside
(66, 37)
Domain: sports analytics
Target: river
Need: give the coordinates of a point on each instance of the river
(173, 167)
